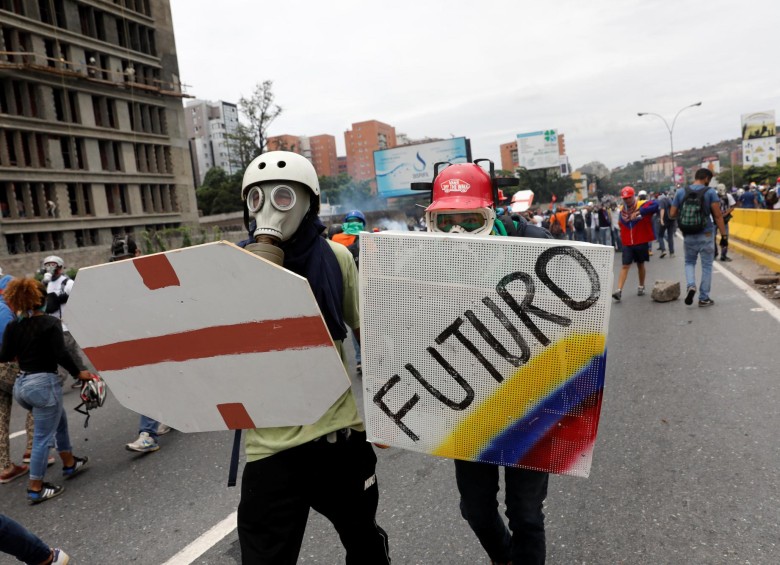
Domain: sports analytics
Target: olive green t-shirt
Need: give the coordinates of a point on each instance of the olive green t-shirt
(263, 442)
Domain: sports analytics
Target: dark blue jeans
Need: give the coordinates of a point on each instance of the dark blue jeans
(525, 494)
(16, 540)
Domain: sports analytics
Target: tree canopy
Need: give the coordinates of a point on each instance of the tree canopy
(259, 111)
(220, 193)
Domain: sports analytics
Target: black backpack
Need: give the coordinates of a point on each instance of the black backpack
(579, 222)
(692, 218)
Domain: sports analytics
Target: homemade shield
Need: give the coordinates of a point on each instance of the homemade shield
(482, 348)
(208, 338)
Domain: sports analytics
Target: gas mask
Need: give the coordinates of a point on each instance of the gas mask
(277, 189)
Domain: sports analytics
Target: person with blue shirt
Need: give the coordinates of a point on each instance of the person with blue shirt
(700, 244)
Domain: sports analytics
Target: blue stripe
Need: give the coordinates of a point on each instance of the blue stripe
(516, 441)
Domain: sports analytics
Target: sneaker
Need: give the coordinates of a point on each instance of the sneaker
(78, 466)
(47, 491)
(640, 291)
(13, 472)
(144, 444)
(59, 557)
(162, 429)
(49, 462)
(706, 302)
(727, 259)
(76, 384)
(617, 295)
(671, 255)
(663, 254)
(689, 296)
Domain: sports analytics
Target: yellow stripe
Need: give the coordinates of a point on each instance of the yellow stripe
(520, 393)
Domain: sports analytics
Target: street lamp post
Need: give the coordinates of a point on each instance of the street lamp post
(669, 129)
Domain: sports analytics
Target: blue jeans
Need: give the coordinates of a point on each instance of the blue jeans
(616, 243)
(149, 426)
(16, 540)
(603, 232)
(699, 244)
(41, 393)
(525, 494)
(357, 348)
(580, 235)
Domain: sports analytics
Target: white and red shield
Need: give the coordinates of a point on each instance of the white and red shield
(208, 338)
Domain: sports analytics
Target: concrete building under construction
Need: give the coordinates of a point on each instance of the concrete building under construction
(92, 140)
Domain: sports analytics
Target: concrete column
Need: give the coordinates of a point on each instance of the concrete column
(134, 203)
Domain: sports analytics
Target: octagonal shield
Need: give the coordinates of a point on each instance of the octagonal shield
(208, 338)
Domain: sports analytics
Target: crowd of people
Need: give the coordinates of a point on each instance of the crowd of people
(343, 485)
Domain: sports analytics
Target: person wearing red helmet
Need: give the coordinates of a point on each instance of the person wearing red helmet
(636, 233)
(463, 203)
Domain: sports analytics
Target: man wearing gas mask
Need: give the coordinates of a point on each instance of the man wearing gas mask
(327, 465)
(463, 201)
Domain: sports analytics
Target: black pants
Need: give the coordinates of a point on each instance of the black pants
(525, 494)
(336, 479)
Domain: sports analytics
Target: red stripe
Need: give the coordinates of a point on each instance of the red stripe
(156, 272)
(236, 417)
(249, 337)
(563, 445)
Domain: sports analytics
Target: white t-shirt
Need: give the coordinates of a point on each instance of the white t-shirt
(62, 284)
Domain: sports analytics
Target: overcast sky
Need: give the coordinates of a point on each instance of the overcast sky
(492, 69)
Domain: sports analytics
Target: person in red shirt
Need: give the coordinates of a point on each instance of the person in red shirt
(636, 233)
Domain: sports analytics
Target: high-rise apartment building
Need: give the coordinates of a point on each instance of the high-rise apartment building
(209, 126)
(362, 140)
(92, 141)
(319, 149)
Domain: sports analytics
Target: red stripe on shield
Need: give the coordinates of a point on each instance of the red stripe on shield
(250, 337)
(236, 417)
(156, 271)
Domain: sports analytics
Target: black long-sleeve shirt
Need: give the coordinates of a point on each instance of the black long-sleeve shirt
(38, 345)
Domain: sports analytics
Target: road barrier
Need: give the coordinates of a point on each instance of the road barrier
(756, 234)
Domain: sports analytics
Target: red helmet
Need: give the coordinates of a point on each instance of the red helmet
(627, 192)
(462, 196)
(464, 186)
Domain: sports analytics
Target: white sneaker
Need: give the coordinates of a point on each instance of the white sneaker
(59, 557)
(144, 444)
(162, 429)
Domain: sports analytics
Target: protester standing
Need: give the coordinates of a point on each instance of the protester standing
(636, 234)
(36, 341)
(699, 232)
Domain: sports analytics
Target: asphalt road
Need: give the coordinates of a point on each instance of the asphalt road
(685, 467)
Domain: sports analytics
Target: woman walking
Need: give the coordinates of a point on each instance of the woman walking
(35, 340)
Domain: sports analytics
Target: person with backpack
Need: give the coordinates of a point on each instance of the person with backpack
(636, 234)
(578, 221)
(473, 211)
(354, 223)
(694, 207)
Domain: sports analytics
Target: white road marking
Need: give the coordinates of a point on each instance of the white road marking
(205, 542)
(16, 434)
(752, 293)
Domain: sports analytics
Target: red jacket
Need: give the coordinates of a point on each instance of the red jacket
(641, 230)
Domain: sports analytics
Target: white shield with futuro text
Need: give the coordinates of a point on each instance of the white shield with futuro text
(482, 348)
(208, 338)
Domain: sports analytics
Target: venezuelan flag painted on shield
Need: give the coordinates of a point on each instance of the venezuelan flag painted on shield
(544, 416)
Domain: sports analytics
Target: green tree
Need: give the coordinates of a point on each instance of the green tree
(545, 183)
(220, 193)
(343, 190)
(259, 111)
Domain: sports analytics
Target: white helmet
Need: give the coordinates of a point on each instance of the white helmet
(54, 259)
(280, 165)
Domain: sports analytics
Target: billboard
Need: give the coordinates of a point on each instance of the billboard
(759, 139)
(712, 163)
(398, 167)
(538, 149)
(489, 349)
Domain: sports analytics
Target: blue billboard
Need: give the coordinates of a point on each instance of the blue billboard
(398, 167)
